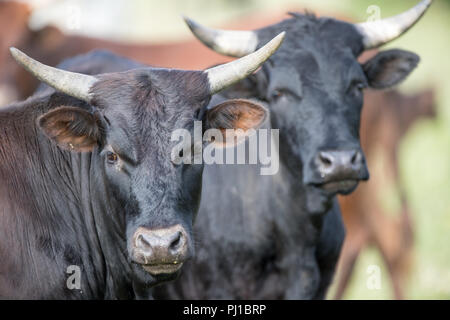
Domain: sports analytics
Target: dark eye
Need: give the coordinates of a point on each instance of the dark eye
(276, 94)
(358, 86)
(180, 154)
(111, 157)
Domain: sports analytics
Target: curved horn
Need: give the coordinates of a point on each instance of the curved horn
(377, 33)
(229, 43)
(225, 75)
(74, 84)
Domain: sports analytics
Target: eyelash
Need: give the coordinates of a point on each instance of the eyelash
(359, 85)
(112, 157)
(277, 94)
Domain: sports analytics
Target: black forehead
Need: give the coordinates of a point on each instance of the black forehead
(318, 35)
(148, 104)
(143, 97)
(315, 46)
(139, 87)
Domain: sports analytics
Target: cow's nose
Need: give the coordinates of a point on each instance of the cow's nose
(341, 165)
(162, 250)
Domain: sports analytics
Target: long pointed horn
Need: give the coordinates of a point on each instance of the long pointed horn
(74, 84)
(229, 43)
(225, 75)
(377, 33)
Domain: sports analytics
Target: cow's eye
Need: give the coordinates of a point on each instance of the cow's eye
(358, 86)
(112, 157)
(276, 94)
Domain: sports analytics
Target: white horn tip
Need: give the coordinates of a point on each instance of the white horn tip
(74, 84)
(280, 37)
(15, 52)
(185, 18)
(225, 75)
(232, 43)
(276, 42)
(190, 23)
(378, 33)
(18, 55)
(426, 3)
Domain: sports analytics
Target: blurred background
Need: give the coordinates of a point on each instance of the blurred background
(400, 221)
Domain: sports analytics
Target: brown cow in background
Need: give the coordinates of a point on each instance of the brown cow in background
(386, 118)
(363, 215)
(50, 46)
(13, 23)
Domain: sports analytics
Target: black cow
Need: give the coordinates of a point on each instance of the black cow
(89, 182)
(279, 237)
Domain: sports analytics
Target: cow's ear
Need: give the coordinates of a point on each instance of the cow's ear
(71, 128)
(239, 115)
(389, 68)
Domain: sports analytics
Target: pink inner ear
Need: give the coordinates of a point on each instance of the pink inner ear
(236, 114)
(71, 128)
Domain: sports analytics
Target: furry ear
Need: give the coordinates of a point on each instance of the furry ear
(241, 115)
(71, 128)
(389, 68)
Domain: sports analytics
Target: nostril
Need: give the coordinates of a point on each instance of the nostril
(176, 242)
(142, 242)
(356, 158)
(325, 159)
(161, 246)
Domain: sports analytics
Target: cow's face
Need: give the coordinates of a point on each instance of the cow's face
(314, 86)
(128, 127)
(129, 131)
